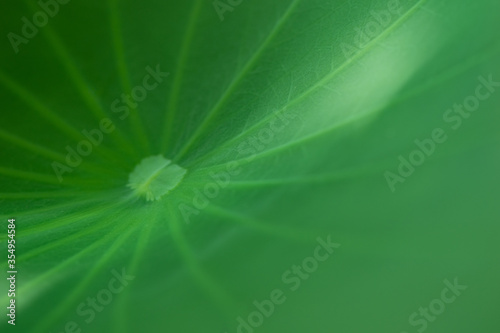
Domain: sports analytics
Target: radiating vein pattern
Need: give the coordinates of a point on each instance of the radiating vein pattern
(212, 194)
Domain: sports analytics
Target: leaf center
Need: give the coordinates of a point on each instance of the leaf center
(154, 177)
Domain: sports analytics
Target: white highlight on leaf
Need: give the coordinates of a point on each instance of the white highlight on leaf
(154, 177)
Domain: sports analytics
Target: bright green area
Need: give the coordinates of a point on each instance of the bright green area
(247, 140)
(154, 177)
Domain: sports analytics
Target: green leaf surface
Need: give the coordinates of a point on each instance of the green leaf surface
(201, 149)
